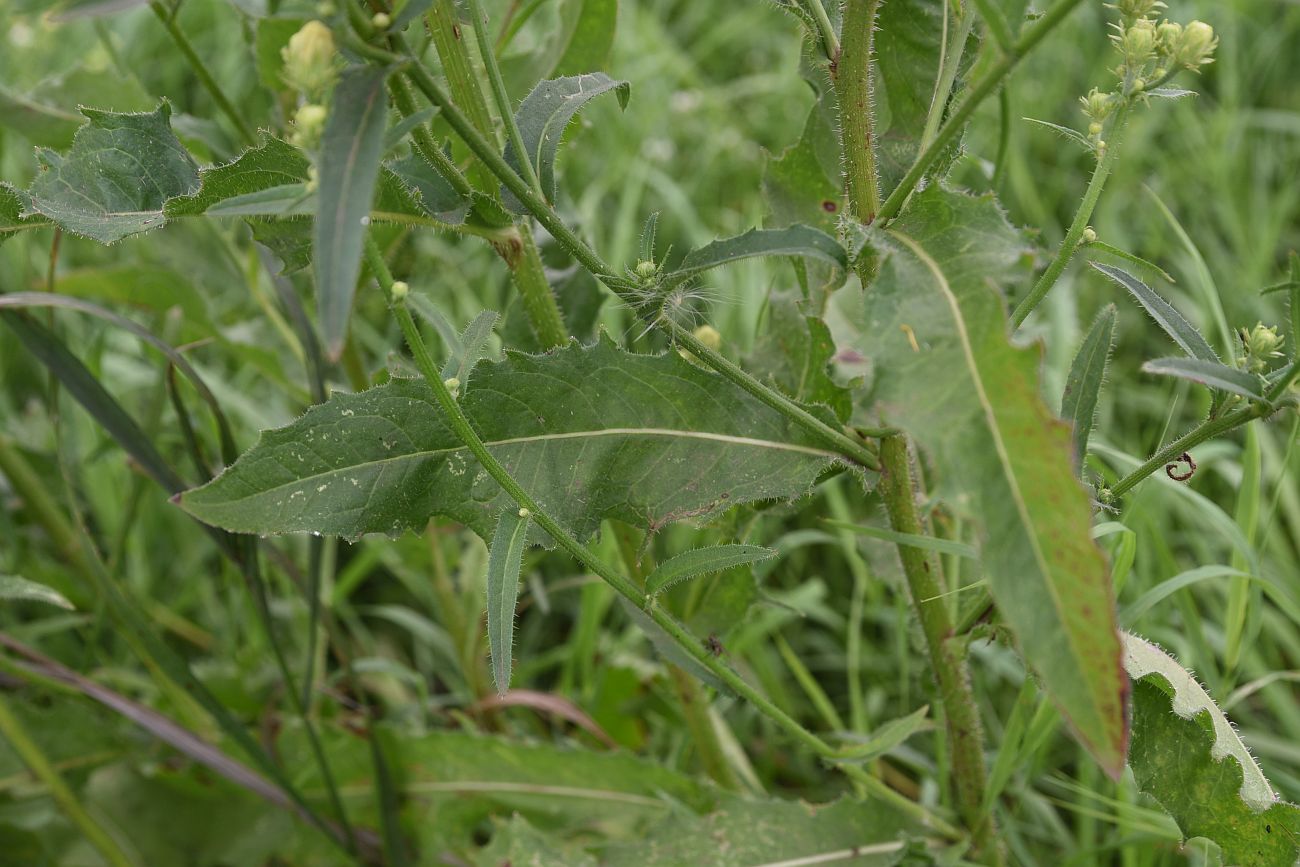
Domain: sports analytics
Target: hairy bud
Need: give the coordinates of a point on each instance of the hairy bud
(308, 125)
(1261, 344)
(1196, 46)
(309, 59)
(709, 336)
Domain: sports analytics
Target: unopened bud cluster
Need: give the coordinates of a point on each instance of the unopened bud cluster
(311, 67)
(1260, 346)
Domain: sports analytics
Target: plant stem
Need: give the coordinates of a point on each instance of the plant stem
(1207, 429)
(519, 251)
(837, 440)
(1074, 235)
(981, 91)
(952, 53)
(201, 70)
(830, 42)
(947, 656)
(852, 79)
(461, 79)
(11, 728)
(504, 108)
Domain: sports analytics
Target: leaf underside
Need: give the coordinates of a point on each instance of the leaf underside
(590, 431)
(1186, 754)
(935, 332)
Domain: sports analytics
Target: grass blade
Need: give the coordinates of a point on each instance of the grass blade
(928, 543)
(503, 591)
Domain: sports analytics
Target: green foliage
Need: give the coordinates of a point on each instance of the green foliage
(507, 549)
(945, 372)
(1087, 375)
(703, 561)
(16, 589)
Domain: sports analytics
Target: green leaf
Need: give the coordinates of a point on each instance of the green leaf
(884, 738)
(771, 832)
(503, 591)
(935, 330)
(12, 205)
(116, 178)
(702, 561)
(437, 197)
(1065, 132)
(468, 348)
(517, 842)
(16, 589)
(929, 543)
(590, 37)
(1187, 756)
(1163, 313)
(1112, 250)
(591, 432)
(349, 168)
(543, 116)
(272, 164)
(69, 10)
(1211, 373)
(803, 184)
(907, 66)
(794, 351)
(1086, 377)
(801, 241)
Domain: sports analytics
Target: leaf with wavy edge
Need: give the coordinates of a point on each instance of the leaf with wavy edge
(935, 331)
(1187, 756)
(590, 431)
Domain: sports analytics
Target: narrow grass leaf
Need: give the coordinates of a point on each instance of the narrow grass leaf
(1173, 323)
(351, 149)
(1211, 373)
(543, 116)
(16, 589)
(504, 557)
(929, 543)
(703, 561)
(1132, 612)
(1086, 377)
(1187, 755)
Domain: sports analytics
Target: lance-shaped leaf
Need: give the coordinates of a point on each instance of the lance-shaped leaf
(543, 116)
(352, 146)
(884, 738)
(117, 176)
(272, 164)
(591, 432)
(16, 589)
(1169, 319)
(802, 241)
(703, 561)
(468, 348)
(935, 332)
(1083, 385)
(504, 557)
(1188, 757)
(1211, 373)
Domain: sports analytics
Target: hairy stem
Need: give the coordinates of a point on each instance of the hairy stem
(947, 654)
(981, 91)
(205, 76)
(853, 89)
(830, 42)
(1074, 235)
(462, 79)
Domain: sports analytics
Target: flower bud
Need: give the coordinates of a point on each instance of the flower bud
(1261, 345)
(381, 21)
(524, 512)
(1089, 235)
(1132, 10)
(1196, 47)
(453, 385)
(709, 336)
(1168, 35)
(309, 59)
(308, 124)
(645, 269)
(1097, 105)
(399, 292)
(1138, 43)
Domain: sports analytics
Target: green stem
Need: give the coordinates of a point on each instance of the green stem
(504, 108)
(1074, 235)
(13, 731)
(1206, 430)
(952, 53)
(38, 503)
(201, 70)
(947, 655)
(462, 79)
(981, 91)
(853, 89)
(837, 440)
(830, 42)
(461, 426)
(424, 141)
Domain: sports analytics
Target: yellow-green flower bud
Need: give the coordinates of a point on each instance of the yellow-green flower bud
(381, 21)
(1138, 43)
(1261, 344)
(1134, 9)
(309, 59)
(308, 124)
(645, 269)
(399, 292)
(1089, 235)
(1196, 47)
(453, 385)
(524, 512)
(1168, 35)
(709, 336)
(1097, 105)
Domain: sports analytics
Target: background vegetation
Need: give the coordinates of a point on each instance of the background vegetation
(1208, 188)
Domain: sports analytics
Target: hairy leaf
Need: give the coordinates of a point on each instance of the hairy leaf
(591, 432)
(801, 241)
(116, 178)
(884, 738)
(274, 163)
(1173, 323)
(703, 561)
(543, 116)
(935, 331)
(468, 348)
(1187, 756)
(12, 205)
(436, 197)
(803, 184)
(1211, 373)
(590, 26)
(506, 552)
(349, 168)
(16, 589)
(1087, 375)
(793, 351)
